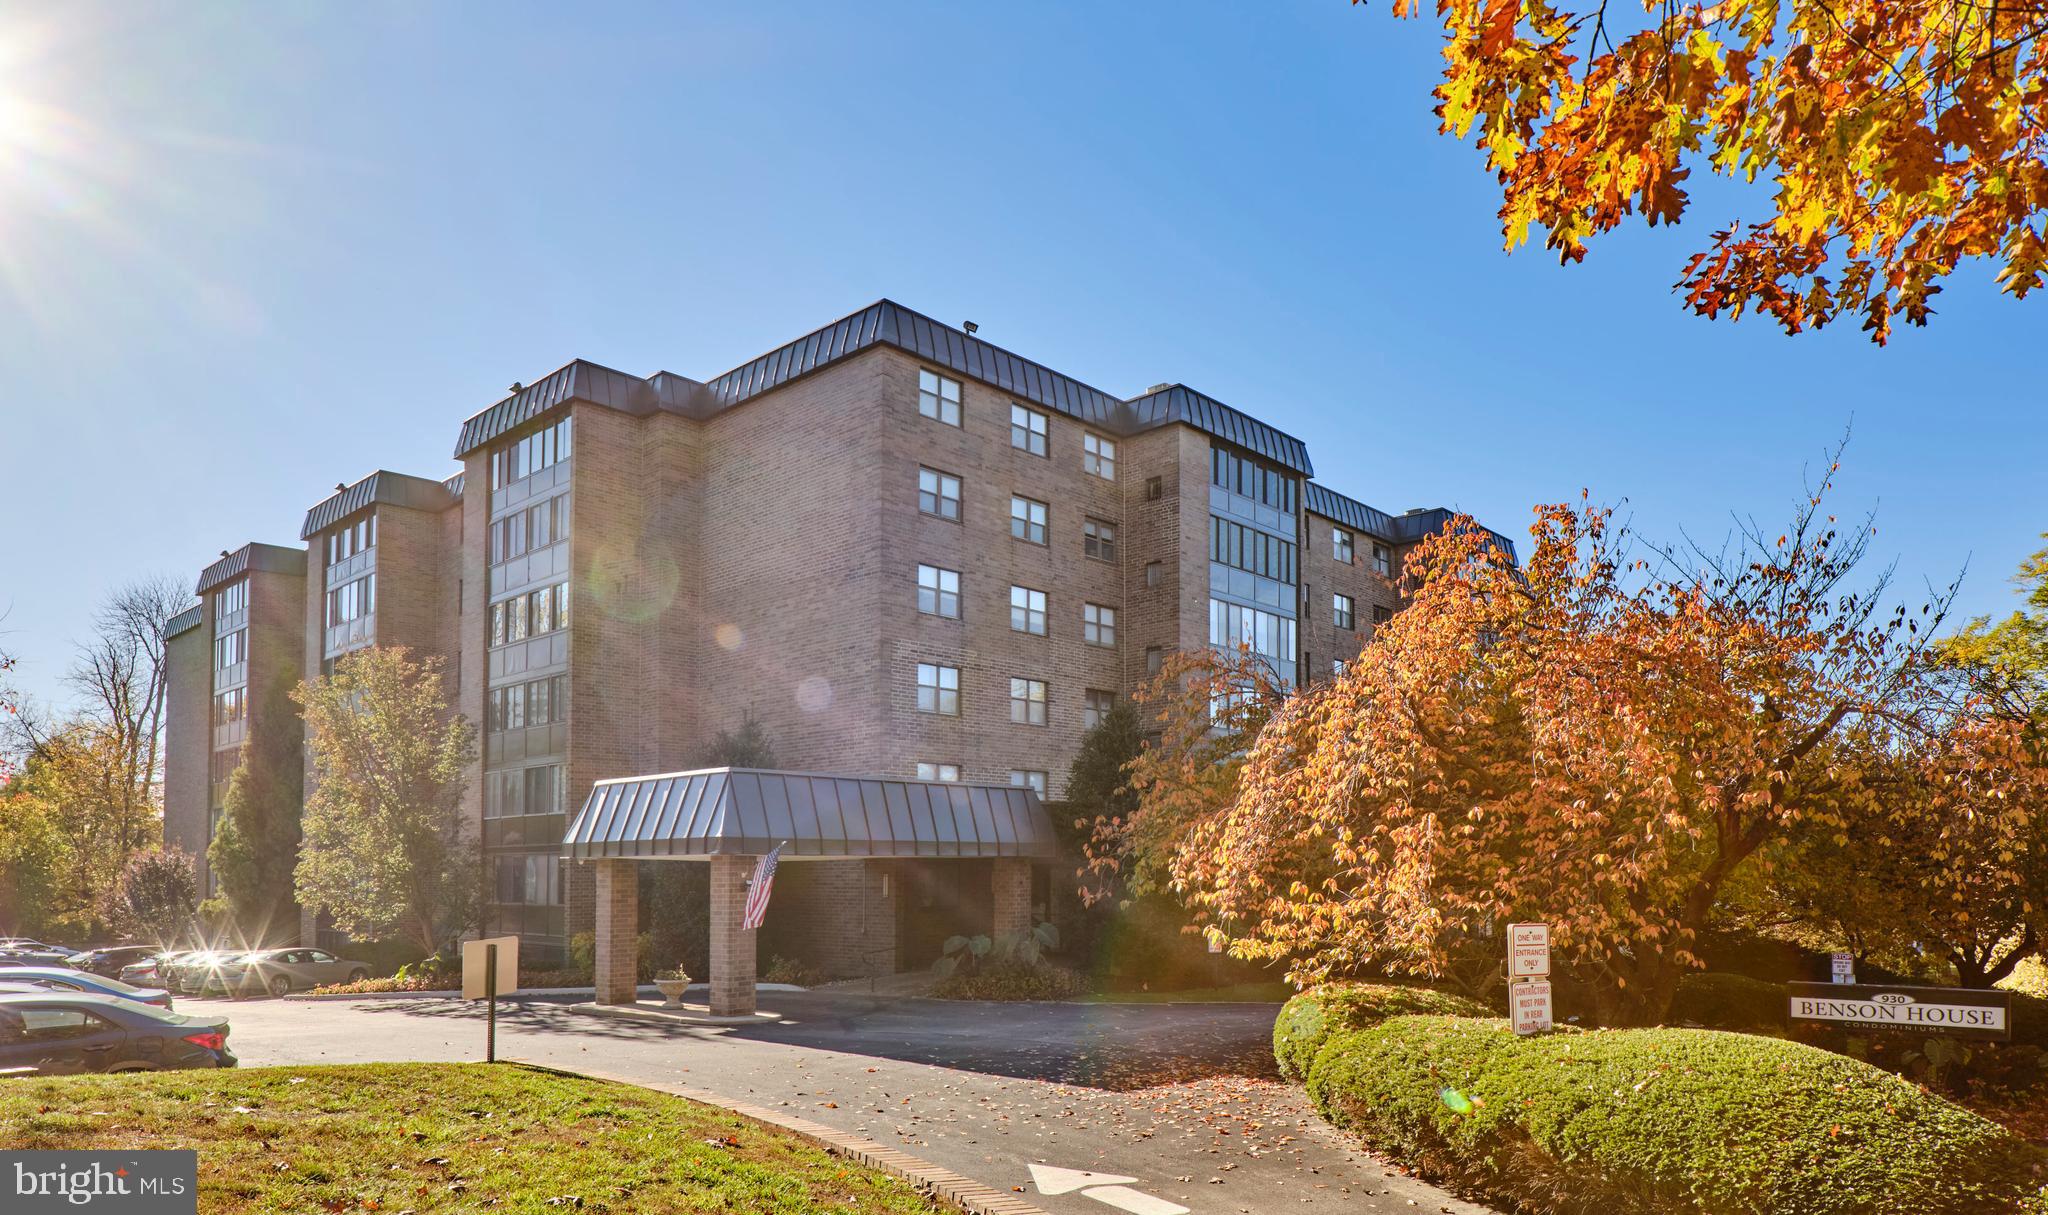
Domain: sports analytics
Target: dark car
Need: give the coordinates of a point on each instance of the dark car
(53, 1033)
(60, 979)
(109, 961)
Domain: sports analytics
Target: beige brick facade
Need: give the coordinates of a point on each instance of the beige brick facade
(750, 546)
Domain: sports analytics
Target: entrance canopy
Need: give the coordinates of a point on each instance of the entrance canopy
(748, 811)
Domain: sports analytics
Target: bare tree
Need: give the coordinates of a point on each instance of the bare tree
(121, 673)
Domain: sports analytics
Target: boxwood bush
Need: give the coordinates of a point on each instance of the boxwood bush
(1308, 1020)
(1631, 1122)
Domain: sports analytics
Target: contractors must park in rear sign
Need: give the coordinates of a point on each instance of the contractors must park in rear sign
(1950, 1011)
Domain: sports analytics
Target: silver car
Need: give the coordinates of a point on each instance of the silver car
(283, 971)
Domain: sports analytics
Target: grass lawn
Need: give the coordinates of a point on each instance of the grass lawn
(1242, 993)
(443, 1137)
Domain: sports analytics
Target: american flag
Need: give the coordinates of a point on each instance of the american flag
(759, 889)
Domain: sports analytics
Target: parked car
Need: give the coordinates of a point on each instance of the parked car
(192, 971)
(150, 972)
(283, 971)
(21, 951)
(62, 1033)
(60, 979)
(108, 961)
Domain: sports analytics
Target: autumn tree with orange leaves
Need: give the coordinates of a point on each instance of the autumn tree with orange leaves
(1900, 139)
(1601, 739)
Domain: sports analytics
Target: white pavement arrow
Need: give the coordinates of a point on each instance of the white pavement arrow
(1105, 1188)
(1050, 1180)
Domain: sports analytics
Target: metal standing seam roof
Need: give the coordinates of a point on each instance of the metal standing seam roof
(1407, 528)
(271, 558)
(184, 621)
(886, 323)
(379, 488)
(748, 811)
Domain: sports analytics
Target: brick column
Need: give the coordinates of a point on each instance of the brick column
(618, 931)
(732, 951)
(1012, 879)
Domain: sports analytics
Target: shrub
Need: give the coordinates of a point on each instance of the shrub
(793, 972)
(1642, 1121)
(1310, 1018)
(1726, 1001)
(1014, 982)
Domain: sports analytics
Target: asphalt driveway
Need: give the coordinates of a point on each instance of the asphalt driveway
(1180, 1098)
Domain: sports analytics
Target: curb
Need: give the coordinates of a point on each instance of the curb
(522, 993)
(956, 1191)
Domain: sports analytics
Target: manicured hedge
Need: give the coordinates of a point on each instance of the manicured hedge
(1642, 1121)
(1725, 1001)
(1308, 1020)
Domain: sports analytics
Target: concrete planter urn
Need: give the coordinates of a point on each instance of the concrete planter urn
(672, 987)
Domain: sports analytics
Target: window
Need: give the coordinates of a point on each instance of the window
(1034, 781)
(543, 789)
(537, 702)
(1336, 666)
(548, 446)
(938, 493)
(938, 398)
(509, 536)
(1267, 634)
(1380, 615)
(230, 649)
(58, 1024)
(498, 624)
(230, 706)
(346, 542)
(1098, 539)
(1098, 624)
(1027, 701)
(1098, 456)
(938, 771)
(1155, 658)
(938, 689)
(1341, 545)
(352, 600)
(1248, 478)
(1155, 488)
(1382, 560)
(534, 879)
(230, 599)
(1095, 706)
(545, 522)
(561, 605)
(1027, 429)
(516, 618)
(1027, 519)
(1027, 610)
(543, 610)
(1251, 550)
(1155, 572)
(1343, 612)
(938, 592)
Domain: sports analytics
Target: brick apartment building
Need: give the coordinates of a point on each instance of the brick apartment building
(908, 553)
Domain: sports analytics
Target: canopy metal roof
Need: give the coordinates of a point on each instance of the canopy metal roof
(751, 810)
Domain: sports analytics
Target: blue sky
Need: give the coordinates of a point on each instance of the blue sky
(249, 251)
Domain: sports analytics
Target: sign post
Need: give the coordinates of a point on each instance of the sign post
(490, 968)
(1529, 1004)
(1844, 967)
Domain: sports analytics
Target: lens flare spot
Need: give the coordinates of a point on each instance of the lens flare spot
(814, 694)
(729, 636)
